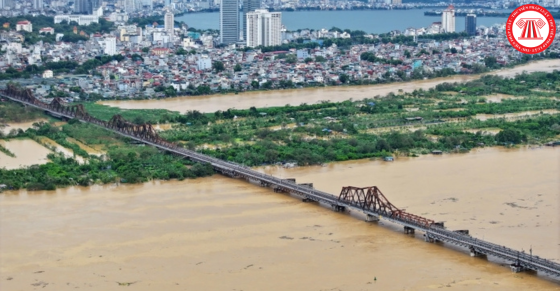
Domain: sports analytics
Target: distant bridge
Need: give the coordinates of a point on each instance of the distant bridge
(368, 200)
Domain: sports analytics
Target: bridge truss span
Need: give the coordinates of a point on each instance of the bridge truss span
(369, 200)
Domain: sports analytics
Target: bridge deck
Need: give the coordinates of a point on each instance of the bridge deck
(432, 232)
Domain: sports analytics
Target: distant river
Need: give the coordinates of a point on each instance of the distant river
(371, 21)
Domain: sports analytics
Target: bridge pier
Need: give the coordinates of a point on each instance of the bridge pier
(475, 253)
(427, 238)
(408, 230)
(338, 208)
(264, 184)
(517, 268)
(307, 199)
(372, 218)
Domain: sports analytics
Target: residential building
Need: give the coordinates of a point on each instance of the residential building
(4, 4)
(229, 21)
(80, 19)
(47, 74)
(47, 30)
(264, 28)
(24, 25)
(130, 5)
(249, 6)
(470, 24)
(448, 19)
(38, 4)
(204, 63)
(396, 2)
(302, 54)
(148, 3)
(169, 21)
(85, 6)
(110, 45)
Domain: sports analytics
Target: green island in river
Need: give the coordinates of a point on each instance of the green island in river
(450, 118)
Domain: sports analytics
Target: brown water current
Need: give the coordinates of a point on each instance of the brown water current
(218, 233)
(259, 99)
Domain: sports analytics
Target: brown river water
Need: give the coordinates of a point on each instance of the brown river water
(259, 99)
(218, 233)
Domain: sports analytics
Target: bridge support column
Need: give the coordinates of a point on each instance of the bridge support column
(372, 218)
(427, 238)
(307, 199)
(516, 268)
(475, 253)
(338, 208)
(408, 230)
(264, 184)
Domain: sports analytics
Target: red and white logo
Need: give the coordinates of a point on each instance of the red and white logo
(530, 29)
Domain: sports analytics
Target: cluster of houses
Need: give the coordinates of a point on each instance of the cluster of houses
(155, 59)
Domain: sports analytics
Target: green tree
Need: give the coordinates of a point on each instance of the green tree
(218, 66)
(291, 59)
(320, 59)
(509, 135)
(237, 68)
(490, 62)
(343, 78)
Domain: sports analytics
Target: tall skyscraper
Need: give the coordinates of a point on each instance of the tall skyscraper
(167, 3)
(249, 6)
(149, 3)
(169, 21)
(130, 5)
(448, 19)
(38, 4)
(84, 6)
(229, 21)
(470, 24)
(264, 28)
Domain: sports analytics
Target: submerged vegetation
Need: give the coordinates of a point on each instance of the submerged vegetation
(123, 162)
(452, 117)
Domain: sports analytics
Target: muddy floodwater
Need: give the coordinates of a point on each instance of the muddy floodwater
(218, 233)
(258, 99)
(27, 152)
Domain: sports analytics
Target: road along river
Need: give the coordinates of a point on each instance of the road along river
(212, 103)
(218, 233)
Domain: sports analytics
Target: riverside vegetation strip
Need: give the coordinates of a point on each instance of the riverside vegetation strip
(443, 118)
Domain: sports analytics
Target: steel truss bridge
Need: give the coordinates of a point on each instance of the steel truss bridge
(369, 200)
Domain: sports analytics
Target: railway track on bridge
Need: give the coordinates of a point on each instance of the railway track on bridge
(369, 200)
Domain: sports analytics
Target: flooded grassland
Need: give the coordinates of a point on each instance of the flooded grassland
(219, 233)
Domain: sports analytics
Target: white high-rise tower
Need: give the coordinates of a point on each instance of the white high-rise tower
(264, 28)
(448, 19)
(169, 20)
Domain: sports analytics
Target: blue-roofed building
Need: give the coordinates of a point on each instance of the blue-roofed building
(193, 35)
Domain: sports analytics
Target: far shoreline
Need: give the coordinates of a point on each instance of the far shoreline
(311, 95)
